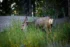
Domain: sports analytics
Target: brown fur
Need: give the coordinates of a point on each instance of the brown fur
(44, 22)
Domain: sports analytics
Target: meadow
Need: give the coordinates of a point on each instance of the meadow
(13, 36)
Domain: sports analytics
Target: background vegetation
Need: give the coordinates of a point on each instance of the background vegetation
(55, 8)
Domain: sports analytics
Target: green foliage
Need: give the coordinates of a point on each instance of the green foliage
(33, 37)
(47, 7)
(62, 32)
(50, 12)
(50, 7)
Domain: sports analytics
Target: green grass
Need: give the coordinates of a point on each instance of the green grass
(13, 36)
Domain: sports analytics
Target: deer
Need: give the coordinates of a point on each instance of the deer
(44, 22)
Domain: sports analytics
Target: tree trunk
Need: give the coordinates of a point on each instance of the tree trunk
(69, 8)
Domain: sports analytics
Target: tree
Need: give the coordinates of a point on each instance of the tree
(54, 8)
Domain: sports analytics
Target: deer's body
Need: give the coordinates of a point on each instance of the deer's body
(45, 22)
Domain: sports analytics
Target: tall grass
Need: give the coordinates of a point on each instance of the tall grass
(34, 37)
